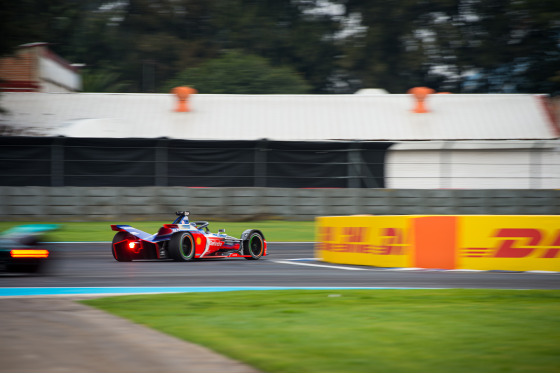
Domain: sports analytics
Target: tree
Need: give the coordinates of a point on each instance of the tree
(285, 32)
(170, 35)
(54, 21)
(518, 49)
(456, 45)
(100, 80)
(449, 45)
(239, 73)
(385, 53)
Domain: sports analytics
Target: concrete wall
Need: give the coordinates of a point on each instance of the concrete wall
(160, 203)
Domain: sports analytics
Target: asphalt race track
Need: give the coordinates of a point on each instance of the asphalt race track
(287, 265)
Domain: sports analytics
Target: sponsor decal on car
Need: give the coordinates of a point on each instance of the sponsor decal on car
(215, 242)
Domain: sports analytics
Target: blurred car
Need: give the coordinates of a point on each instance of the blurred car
(22, 248)
(184, 240)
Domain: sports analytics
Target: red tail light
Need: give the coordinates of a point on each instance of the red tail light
(134, 246)
(29, 253)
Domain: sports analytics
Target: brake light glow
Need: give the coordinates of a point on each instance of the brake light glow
(134, 246)
(29, 253)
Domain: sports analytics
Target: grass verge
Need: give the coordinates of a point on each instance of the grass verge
(362, 330)
(101, 231)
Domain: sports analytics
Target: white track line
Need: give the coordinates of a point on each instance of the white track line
(316, 265)
(304, 262)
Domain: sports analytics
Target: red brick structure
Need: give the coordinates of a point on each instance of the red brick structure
(35, 68)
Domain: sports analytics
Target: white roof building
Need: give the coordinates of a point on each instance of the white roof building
(464, 141)
(379, 117)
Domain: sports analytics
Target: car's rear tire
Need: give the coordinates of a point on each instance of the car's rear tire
(253, 246)
(181, 246)
(121, 256)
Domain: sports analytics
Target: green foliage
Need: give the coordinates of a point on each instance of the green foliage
(450, 45)
(28, 21)
(102, 81)
(518, 48)
(493, 46)
(362, 331)
(237, 73)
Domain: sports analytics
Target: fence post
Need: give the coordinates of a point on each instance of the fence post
(260, 163)
(445, 165)
(354, 166)
(160, 172)
(535, 164)
(358, 170)
(57, 162)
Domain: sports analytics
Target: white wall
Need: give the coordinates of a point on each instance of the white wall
(470, 165)
(56, 78)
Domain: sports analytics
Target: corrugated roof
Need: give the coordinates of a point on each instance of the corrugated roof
(283, 117)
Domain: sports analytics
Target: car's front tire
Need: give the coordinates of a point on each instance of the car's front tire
(181, 246)
(253, 246)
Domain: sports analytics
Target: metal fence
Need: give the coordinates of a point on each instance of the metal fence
(58, 162)
(83, 162)
(109, 179)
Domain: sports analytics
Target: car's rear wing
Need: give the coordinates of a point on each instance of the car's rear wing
(131, 230)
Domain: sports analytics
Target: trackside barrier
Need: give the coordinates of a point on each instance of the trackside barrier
(514, 243)
(58, 204)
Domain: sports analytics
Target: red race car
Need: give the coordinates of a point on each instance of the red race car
(183, 240)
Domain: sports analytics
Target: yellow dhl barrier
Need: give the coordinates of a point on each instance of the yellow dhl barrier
(509, 243)
(517, 243)
(364, 240)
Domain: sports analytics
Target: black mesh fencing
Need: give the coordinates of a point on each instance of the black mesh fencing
(58, 161)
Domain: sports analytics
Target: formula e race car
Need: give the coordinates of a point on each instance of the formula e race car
(184, 241)
(22, 248)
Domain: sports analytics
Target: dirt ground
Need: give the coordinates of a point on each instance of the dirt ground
(57, 334)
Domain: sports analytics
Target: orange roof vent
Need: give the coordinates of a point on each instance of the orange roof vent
(420, 94)
(183, 93)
